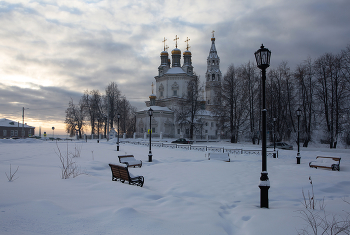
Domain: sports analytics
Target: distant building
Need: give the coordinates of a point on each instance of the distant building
(171, 89)
(10, 129)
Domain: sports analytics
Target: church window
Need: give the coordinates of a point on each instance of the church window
(213, 77)
(213, 62)
(161, 94)
(208, 101)
(141, 130)
(206, 131)
(212, 124)
(187, 131)
(178, 131)
(153, 130)
(174, 92)
(206, 124)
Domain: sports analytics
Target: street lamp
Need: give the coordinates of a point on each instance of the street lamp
(23, 122)
(298, 154)
(150, 113)
(118, 116)
(274, 137)
(262, 57)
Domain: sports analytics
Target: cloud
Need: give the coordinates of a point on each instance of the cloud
(53, 50)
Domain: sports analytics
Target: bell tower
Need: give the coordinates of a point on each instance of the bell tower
(213, 76)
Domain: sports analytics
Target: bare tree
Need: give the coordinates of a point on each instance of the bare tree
(331, 92)
(305, 82)
(74, 118)
(281, 101)
(249, 75)
(234, 98)
(92, 103)
(113, 97)
(189, 107)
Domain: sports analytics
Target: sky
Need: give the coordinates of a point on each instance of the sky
(53, 51)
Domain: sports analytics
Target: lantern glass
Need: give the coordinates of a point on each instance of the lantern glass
(150, 112)
(262, 57)
(298, 112)
(118, 115)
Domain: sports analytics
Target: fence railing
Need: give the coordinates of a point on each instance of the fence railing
(202, 148)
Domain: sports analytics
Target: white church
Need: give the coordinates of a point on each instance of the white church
(170, 89)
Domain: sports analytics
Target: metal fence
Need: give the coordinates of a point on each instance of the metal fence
(202, 148)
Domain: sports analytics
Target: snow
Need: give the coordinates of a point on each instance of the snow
(184, 193)
(9, 123)
(156, 108)
(175, 70)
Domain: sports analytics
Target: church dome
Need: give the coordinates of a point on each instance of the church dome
(152, 96)
(187, 53)
(164, 53)
(176, 51)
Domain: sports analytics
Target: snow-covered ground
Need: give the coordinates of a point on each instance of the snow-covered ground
(184, 193)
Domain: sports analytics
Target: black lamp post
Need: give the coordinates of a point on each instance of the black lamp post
(274, 137)
(298, 154)
(262, 57)
(118, 116)
(150, 113)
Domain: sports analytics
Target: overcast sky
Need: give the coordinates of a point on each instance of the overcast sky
(52, 51)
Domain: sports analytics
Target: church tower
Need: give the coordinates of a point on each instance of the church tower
(213, 76)
(164, 61)
(187, 66)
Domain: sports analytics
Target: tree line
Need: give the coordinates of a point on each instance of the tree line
(320, 88)
(100, 112)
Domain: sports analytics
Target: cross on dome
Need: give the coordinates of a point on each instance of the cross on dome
(187, 43)
(213, 33)
(164, 42)
(176, 40)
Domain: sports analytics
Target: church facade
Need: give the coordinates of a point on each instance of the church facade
(171, 90)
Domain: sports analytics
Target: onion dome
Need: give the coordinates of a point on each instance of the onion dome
(187, 53)
(164, 53)
(176, 51)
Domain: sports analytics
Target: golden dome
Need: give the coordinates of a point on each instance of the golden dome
(213, 39)
(153, 96)
(164, 53)
(187, 53)
(176, 51)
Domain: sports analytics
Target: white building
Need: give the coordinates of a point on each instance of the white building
(171, 89)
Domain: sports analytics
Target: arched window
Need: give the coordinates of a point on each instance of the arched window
(213, 77)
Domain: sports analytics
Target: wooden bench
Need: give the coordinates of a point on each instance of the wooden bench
(219, 156)
(130, 161)
(122, 173)
(326, 162)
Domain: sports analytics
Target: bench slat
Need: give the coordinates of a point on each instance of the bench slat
(122, 173)
(130, 160)
(326, 162)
